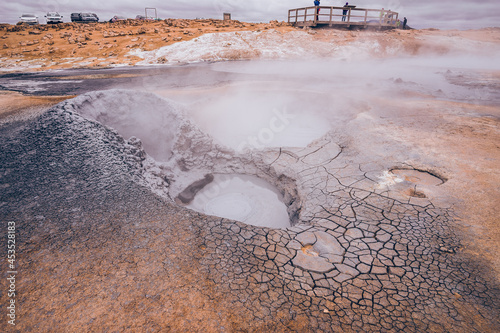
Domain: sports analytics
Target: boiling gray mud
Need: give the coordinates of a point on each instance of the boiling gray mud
(243, 198)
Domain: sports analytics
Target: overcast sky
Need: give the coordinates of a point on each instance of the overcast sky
(443, 14)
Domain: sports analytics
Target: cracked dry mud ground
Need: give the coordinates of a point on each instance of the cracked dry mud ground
(100, 253)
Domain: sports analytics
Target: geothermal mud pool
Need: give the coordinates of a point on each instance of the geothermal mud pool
(332, 216)
(242, 198)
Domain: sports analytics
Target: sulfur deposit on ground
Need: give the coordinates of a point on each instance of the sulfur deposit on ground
(393, 205)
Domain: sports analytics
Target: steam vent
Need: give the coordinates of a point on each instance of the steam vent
(354, 192)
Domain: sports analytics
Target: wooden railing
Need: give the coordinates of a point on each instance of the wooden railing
(348, 16)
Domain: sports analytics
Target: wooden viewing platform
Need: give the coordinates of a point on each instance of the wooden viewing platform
(343, 17)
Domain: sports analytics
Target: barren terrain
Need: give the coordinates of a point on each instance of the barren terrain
(174, 41)
(103, 44)
(393, 207)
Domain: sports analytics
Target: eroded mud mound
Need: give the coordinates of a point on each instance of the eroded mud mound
(180, 158)
(152, 119)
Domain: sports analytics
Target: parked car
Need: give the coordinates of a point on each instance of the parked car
(29, 19)
(89, 17)
(84, 17)
(54, 18)
(117, 18)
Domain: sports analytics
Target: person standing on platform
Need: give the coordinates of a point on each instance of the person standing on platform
(344, 11)
(316, 3)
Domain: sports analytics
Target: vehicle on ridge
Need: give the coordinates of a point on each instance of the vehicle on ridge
(29, 19)
(54, 18)
(89, 17)
(84, 17)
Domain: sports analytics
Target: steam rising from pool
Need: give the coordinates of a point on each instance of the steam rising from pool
(200, 129)
(293, 103)
(254, 115)
(179, 152)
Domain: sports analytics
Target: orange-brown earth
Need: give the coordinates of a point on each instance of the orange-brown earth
(14, 103)
(75, 45)
(103, 44)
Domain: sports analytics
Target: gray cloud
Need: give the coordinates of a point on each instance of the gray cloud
(445, 14)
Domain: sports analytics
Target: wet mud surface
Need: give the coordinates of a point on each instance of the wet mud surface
(79, 81)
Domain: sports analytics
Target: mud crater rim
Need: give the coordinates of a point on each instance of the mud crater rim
(284, 196)
(419, 176)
